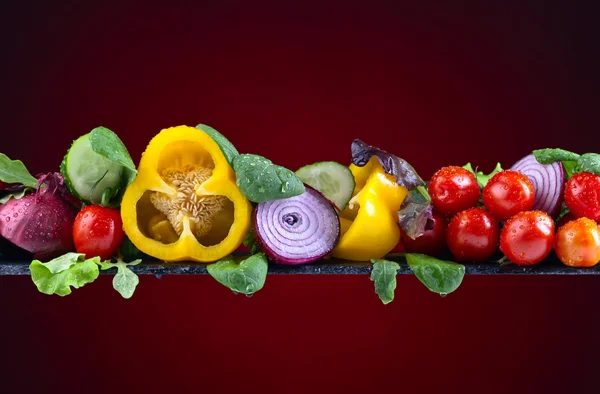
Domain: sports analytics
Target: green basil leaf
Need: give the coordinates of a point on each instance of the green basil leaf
(58, 275)
(247, 276)
(226, 147)
(14, 171)
(483, 179)
(570, 168)
(260, 180)
(106, 143)
(384, 275)
(589, 162)
(442, 277)
(250, 242)
(547, 156)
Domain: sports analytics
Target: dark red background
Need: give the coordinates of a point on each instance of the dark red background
(437, 85)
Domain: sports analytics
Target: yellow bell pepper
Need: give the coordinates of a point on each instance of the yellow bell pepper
(369, 225)
(184, 203)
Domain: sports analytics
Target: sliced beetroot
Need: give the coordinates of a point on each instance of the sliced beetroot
(297, 230)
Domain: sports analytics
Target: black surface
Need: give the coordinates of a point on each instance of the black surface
(331, 267)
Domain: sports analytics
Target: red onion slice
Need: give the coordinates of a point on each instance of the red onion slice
(548, 181)
(297, 230)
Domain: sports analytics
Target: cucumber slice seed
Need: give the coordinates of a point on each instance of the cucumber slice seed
(334, 180)
(84, 170)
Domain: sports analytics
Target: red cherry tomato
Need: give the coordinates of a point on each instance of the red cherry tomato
(578, 243)
(508, 193)
(98, 231)
(528, 237)
(472, 235)
(453, 189)
(433, 240)
(582, 195)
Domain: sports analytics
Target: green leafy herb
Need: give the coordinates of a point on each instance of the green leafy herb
(547, 156)
(483, 179)
(260, 180)
(125, 281)
(226, 147)
(106, 143)
(442, 277)
(14, 171)
(58, 275)
(384, 275)
(17, 195)
(250, 242)
(589, 162)
(246, 276)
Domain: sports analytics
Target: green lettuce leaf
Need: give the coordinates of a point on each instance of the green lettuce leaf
(58, 275)
(384, 275)
(246, 276)
(439, 276)
(483, 179)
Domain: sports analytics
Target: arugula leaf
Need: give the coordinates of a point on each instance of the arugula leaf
(547, 156)
(247, 276)
(58, 275)
(125, 281)
(483, 179)
(260, 180)
(14, 171)
(384, 275)
(226, 147)
(250, 242)
(442, 277)
(589, 162)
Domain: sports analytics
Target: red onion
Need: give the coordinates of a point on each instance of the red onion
(548, 181)
(297, 230)
(41, 222)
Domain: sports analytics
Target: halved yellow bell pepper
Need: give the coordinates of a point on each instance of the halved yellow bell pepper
(184, 203)
(369, 226)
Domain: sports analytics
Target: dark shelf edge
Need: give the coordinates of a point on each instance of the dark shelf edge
(329, 267)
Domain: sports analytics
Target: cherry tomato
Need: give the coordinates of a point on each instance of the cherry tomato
(432, 242)
(528, 237)
(453, 189)
(582, 195)
(578, 243)
(508, 193)
(472, 235)
(98, 231)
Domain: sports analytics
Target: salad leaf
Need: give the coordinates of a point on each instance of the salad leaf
(58, 275)
(17, 193)
(384, 275)
(227, 147)
(250, 242)
(483, 179)
(416, 208)
(125, 281)
(589, 162)
(442, 277)
(106, 143)
(547, 156)
(260, 180)
(14, 171)
(246, 276)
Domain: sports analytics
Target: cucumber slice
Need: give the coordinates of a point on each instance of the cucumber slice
(334, 180)
(84, 170)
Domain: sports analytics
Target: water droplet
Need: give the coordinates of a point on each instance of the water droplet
(235, 292)
(15, 215)
(579, 258)
(261, 189)
(249, 295)
(20, 210)
(443, 295)
(158, 276)
(7, 219)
